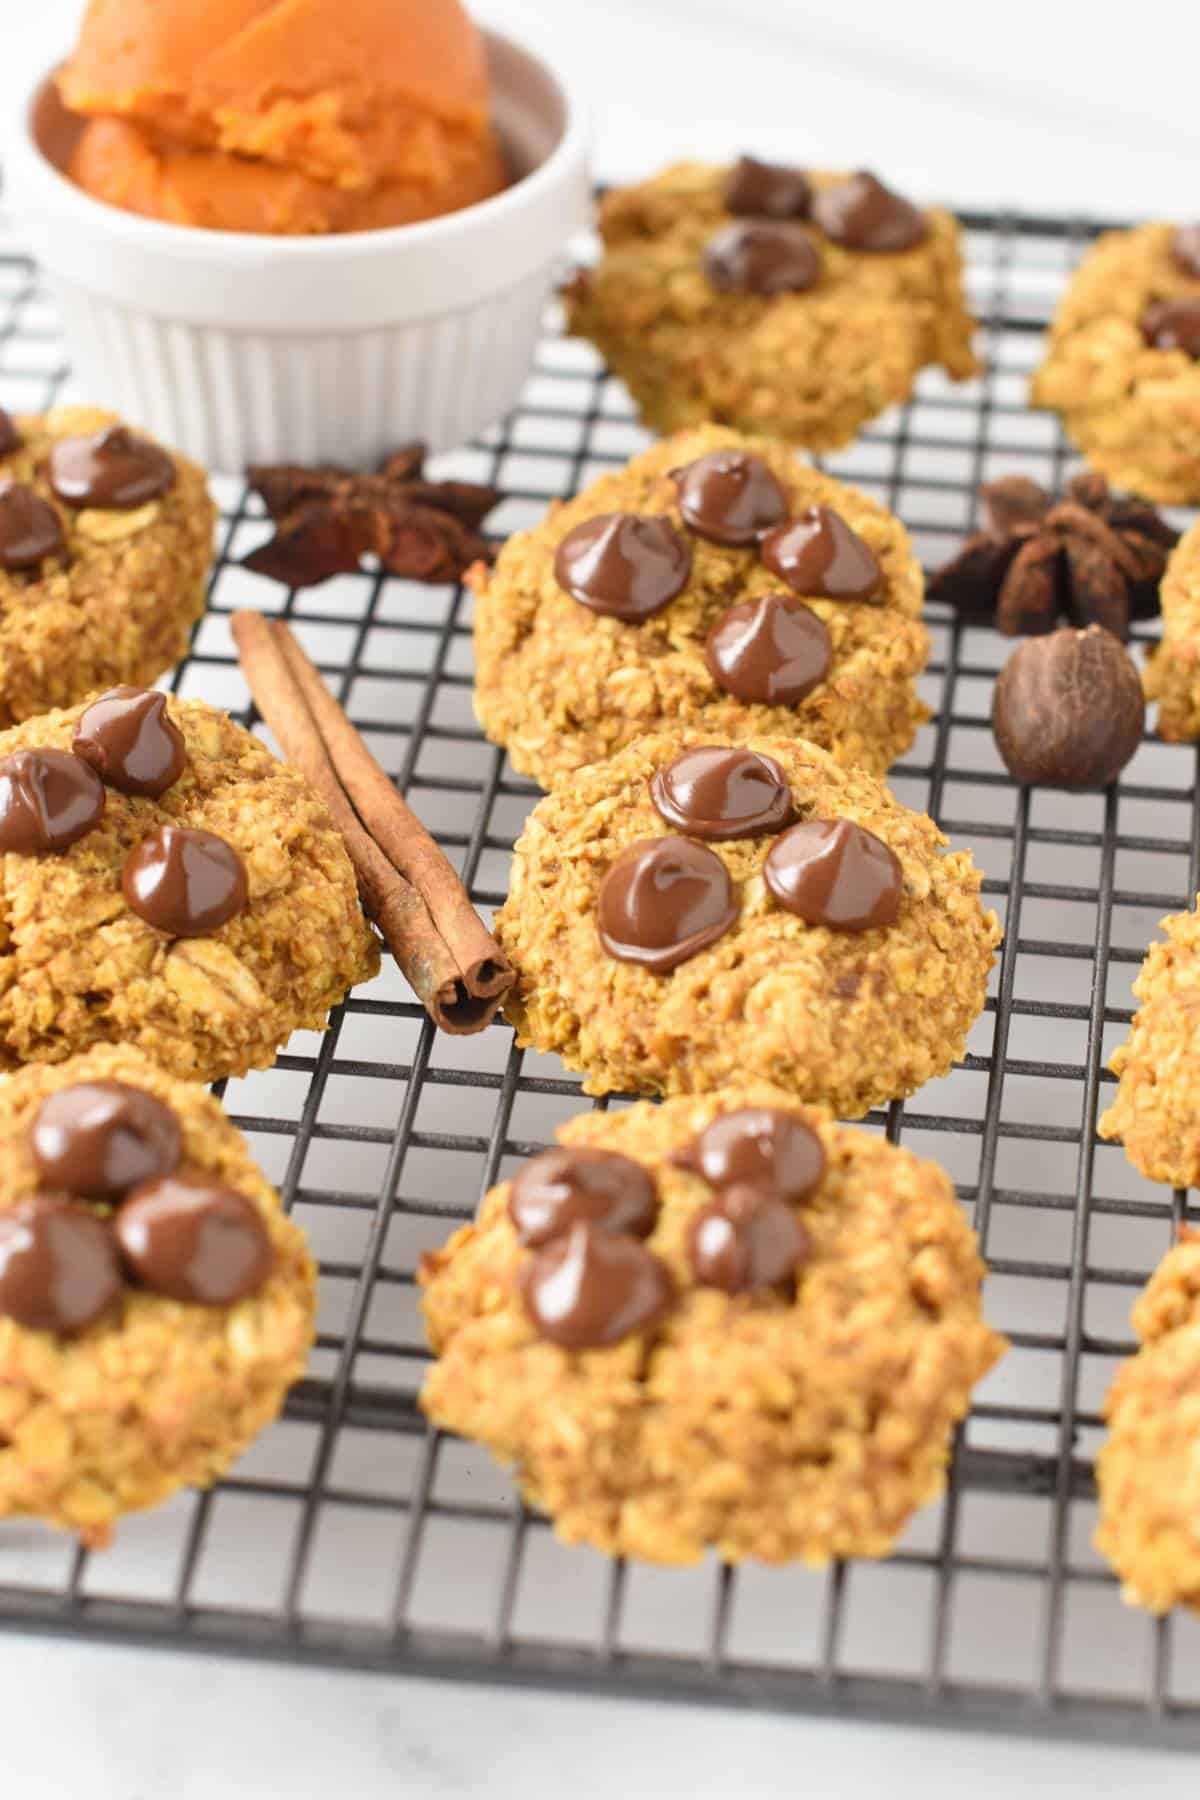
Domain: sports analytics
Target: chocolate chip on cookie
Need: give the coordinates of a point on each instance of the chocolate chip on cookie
(762, 256)
(767, 190)
(772, 651)
(723, 793)
(663, 901)
(622, 565)
(832, 872)
(862, 214)
(818, 554)
(111, 469)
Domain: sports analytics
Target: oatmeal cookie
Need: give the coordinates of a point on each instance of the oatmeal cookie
(773, 1324)
(561, 683)
(771, 325)
(166, 882)
(1172, 672)
(1156, 1112)
(847, 970)
(1148, 1471)
(1121, 374)
(148, 1332)
(103, 585)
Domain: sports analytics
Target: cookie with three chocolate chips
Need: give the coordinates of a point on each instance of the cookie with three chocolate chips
(716, 582)
(721, 1322)
(169, 884)
(106, 541)
(792, 301)
(702, 909)
(1122, 360)
(155, 1302)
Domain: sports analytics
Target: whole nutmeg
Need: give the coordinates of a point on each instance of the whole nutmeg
(1068, 710)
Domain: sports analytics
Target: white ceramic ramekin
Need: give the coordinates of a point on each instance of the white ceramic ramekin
(242, 348)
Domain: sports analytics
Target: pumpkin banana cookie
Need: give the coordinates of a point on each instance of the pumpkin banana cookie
(1121, 365)
(718, 1322)
(166, 882)
(1156, 1112)
(1172, 673)
(717, 582)
(1148, 1472)
(799, 303)
(155, 1302)
(105, 548)
(698, 911)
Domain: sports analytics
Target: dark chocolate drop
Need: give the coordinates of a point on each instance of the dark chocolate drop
(112, 470)
(58, 1266)
(833, 872)
(586, 1290)
(48, 801)
(10, 437)
(862, 214)
(190, 1238)
(819, 555)
(568, 1184)
(757, 1147)
(131, 741)
(730, 497)
(625, 565)
(664, 900)
(716, 794)
(746, 1241)
(762, 256)
(185, 882)
(30, 530)
(100, 1138)
(1173, 324)
(774, 650)
(767, 190)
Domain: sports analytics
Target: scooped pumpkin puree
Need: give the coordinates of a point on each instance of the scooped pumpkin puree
(282, 116)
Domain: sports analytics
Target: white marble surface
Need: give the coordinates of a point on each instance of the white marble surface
(1001, 117)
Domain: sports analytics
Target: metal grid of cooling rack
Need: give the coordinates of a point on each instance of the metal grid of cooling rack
(352, 1536)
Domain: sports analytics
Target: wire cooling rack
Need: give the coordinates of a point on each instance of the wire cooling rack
(352, 1536)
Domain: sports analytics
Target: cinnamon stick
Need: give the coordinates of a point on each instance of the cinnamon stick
(406, 884)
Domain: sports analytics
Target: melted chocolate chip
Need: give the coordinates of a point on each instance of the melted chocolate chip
(29, 528)
(730, 497)
(100, 1138)
(625, 565)
(767, 190)
(565, 1185)
(663, 901)
(588, 1289)
(10, 437)
(714, 793)
(185, 882)
(775, 650)
(762, 256)
(113, 470)
(1185, 250)
(191, 1238)
(58, 1266)
(48, 801)
(757, 1147)
(1173, 324)
(818, 554)
(862, 214)
(746, 1240)
(131, 741)
(832, 872)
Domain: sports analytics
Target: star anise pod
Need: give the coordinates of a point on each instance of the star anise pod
(1092, 557)
(328, 518)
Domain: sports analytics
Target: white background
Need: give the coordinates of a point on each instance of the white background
(1030, 104)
